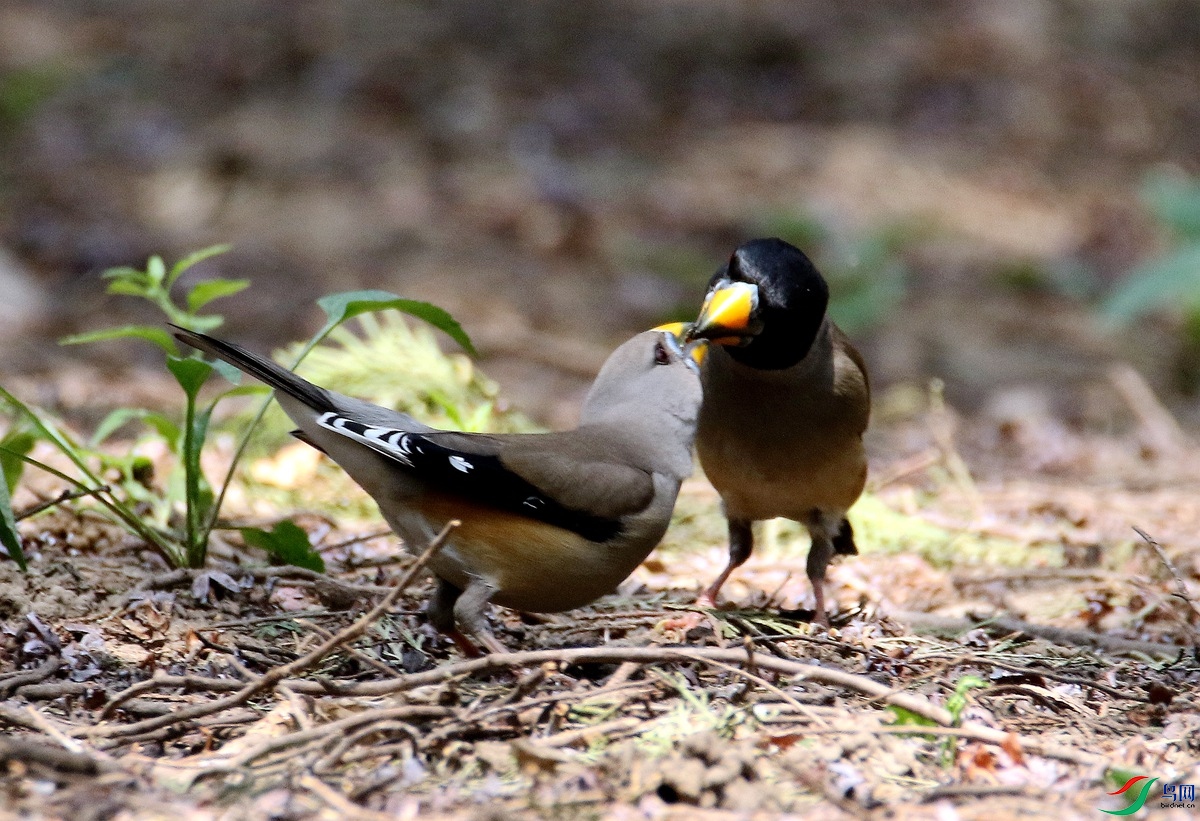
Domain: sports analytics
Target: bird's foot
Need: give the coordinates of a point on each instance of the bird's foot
(684, 622)
(493, 644)
(464, 644)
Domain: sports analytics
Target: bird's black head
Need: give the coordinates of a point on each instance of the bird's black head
(766, 305)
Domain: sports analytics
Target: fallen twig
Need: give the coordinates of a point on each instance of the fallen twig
(1092, 684)
(341, 805)
(1161, 431)
(605, 729)
(1170, 565)
(12, 681)
(358, 655)
(27, 750)
(929, 623)
(978, 791)
(65, 496)
(332, 729)
(279, 674)
(580, 655)
(766, 685)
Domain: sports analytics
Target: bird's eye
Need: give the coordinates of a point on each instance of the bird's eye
(661, 355)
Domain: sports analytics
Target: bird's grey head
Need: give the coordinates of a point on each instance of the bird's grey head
(649, 385)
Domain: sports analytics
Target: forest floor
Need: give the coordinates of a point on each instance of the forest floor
(1006, 645)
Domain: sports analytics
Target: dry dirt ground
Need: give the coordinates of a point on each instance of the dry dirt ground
(250, 691)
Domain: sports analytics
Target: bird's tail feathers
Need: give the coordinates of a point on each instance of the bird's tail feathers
(843, 541)
(261, 368)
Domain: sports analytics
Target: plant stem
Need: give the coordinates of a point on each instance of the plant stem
(103, 494)
(195, 541)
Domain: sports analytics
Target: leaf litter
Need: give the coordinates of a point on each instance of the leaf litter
(121, 678)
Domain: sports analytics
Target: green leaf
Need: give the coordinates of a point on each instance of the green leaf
(1172, 280)
(189, 373)
(256, 389)
(156, 269)
(45, 429)
(114, 420)
(967, 683)
(957, 702)
(205, 292)
(8, 528)
(16, 443)
(904, 718)
(163, 426)
(123, 272)
(194, 258)
(348, 304)
(228, 372)
(151, 334)
(201, 496)
(288, 543)
(197, 323)
(1175, 199)
(127, 288)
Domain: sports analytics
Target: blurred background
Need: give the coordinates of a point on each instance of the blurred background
(1003, 194)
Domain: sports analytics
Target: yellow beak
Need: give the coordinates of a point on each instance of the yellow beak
(679, 332)
(727, 316)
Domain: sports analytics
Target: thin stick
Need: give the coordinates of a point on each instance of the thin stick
(278, 674)
(65, 496)
(581, 655)
(341, 805)
(766, 685)
(49, 729)
(1161, 430)
(26, 750)
(1166, 560)
(101, 761)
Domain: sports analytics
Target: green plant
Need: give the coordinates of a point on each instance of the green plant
(23, 90)
(445, 391)
(287, 542)
(178, 522)
(1171, 280)
(956, 705)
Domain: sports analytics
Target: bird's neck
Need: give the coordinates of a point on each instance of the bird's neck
(783, 346)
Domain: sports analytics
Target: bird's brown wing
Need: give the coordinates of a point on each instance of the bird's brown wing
(562, 479)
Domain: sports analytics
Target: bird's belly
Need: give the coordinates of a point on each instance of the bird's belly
(533, 567)
(765, 480)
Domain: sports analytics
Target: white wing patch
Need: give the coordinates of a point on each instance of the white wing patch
(459, 463)
(388, 441)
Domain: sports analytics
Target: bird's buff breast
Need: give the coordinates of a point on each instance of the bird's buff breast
(764, 477)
